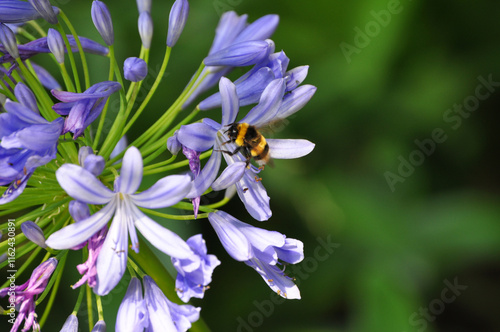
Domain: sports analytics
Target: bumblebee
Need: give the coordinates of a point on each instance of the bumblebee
(250, 142)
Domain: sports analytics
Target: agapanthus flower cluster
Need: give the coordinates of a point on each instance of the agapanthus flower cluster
(70, 180)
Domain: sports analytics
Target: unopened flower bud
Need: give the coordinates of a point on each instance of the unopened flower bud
(144, 6)
(177, 21)
(135, 69)
(8, 40)
(56, 45)
(71, 324)
(34, 233)
(102, 21)
(145, 26)
(44, 8)
(100, 326)
(26, 97)
(173, 144)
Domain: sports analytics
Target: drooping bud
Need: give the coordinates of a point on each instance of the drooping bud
(71, 324)
(26, 97)
(46, 78)
(34, 233)
(102, 21)
(44, 8)
(100, 326)
(135, 69)
(8, 40)
(145, 26)
(173, 144)
(56, 45)
(144, 6)
(177, 21)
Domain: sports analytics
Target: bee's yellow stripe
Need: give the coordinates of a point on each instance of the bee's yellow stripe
(242, 130)
(259, 148)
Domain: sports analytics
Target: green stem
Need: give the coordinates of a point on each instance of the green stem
(99, 307)
(79, 300)
(71, 57)
(174, 216)
(175, 165)
(151, 91)
(90, 312)
(80, 48)
(67, 80)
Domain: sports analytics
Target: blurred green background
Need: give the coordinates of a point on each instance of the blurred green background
(398, 205)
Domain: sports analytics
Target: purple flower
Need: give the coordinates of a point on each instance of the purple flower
(260, 249)
(91, 162)
(40, 45)
(88, 270)
(34, 233)
(56, 45)
(232, 29)
(132, 315)
(250, 86)
(202, 136)
(71, 324)
(83, 108)
(100, 326)
(145, 26)
(25, 97)
(143, 6)
(154, 312)
(102, 21)
(239, 54)
(82, 185)
(45, 10)
(24, 296)
(195, 273)
(8, 40)
(16, 11)
(135, 69)
(165, 315)
(176, 21)
(27, 141)
(45, 77)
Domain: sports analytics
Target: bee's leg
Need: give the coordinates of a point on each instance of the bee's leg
(229, 152)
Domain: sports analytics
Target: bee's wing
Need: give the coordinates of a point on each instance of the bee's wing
(273, 127)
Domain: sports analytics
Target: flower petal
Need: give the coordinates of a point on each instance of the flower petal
(74, 234)
(229, 100)
(232, 174)
(295, 100)
(230, 236)
(197, 136)
(206, 176)
(82, 185)
(254, 196)
(132, 315)
(160, 318)
(269, 104)
(166, 192)
(112, 261)
(161, 237)
(131, 172)
(273, 276)
(289, 148)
